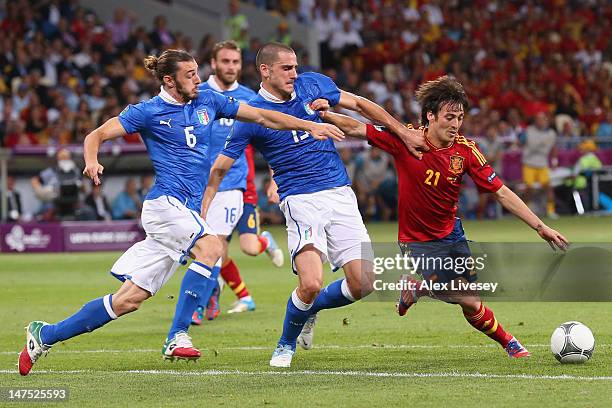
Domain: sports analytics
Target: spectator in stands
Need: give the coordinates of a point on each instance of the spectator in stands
(325, 23)
(13, 200)
(538, 142)
(492, 148)
(146, 183)
(17, 134)
(372, 169)
(345, 42)
(21, 99)
(282, 34)
(160, 36)
(98, 204)
(139, 40)
(568, 137)
(95, 99)
(346, 154)
(377, 86)
(83, 125)
(604, 128)
(304, 10)
(120, 27)
(237, 24)
(58, 188)
(127, 204)
(583, 171)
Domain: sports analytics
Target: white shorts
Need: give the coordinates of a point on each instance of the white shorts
(330, 220)
(225, 211)
(172, 230)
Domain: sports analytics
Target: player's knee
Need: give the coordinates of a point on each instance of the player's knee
(250, 248)
(311, 287)
(208, 250)
(250, 245)
(469, 304)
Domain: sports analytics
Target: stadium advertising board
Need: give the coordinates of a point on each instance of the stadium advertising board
(100, 236)
(34, 237)
(69, 236)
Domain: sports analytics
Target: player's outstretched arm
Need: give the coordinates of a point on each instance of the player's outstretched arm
(219, 169)
(412, 138)
(281, 121)
(110, 129)
(351, 127)
(510, 201)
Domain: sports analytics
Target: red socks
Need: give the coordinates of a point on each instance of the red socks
(484, 320)
(231, 275)
(264, 243)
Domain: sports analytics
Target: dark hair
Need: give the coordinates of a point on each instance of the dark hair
(166, 63)
(433, 95)
(268, 54)
(224, 45)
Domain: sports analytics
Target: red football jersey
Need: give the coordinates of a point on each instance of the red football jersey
(429, 188)
(250, 194)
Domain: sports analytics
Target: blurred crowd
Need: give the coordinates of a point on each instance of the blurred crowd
(65, 71)
(515, 58)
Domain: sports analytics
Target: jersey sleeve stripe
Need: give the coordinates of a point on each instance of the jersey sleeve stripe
(479, 156)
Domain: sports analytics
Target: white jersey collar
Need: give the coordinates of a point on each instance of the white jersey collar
(166, 97)
(215, 86)
(271, 98)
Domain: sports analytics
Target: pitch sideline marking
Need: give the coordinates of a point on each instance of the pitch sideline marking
(452, 374)
(320, 347)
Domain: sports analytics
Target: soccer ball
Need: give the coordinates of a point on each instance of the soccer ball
(572, 342)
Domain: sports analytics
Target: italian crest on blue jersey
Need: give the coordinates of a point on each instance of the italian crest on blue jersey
(308, 109)
(203, 116)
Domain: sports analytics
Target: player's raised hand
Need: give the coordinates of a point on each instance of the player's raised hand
(320, 105)
(323, 131)
(414, 139)
(93, 171)
(554, 238)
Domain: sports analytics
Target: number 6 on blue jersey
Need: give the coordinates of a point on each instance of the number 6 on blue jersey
(189, 136)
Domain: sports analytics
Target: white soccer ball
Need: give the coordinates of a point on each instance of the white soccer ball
(572, 342)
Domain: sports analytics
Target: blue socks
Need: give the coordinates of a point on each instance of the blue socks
(205, 296)
(336, 294)
(91, 316)
(296, 315)
(193, 287)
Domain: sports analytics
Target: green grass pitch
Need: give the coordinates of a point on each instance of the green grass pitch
(364, 355)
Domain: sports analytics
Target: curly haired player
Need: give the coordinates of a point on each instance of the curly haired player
(428, 226)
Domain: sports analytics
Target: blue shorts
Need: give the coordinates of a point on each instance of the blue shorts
(248, 222)
(443, 260)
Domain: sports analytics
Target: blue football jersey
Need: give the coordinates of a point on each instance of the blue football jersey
(177, 137)
(301, 163)
(236, 176)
